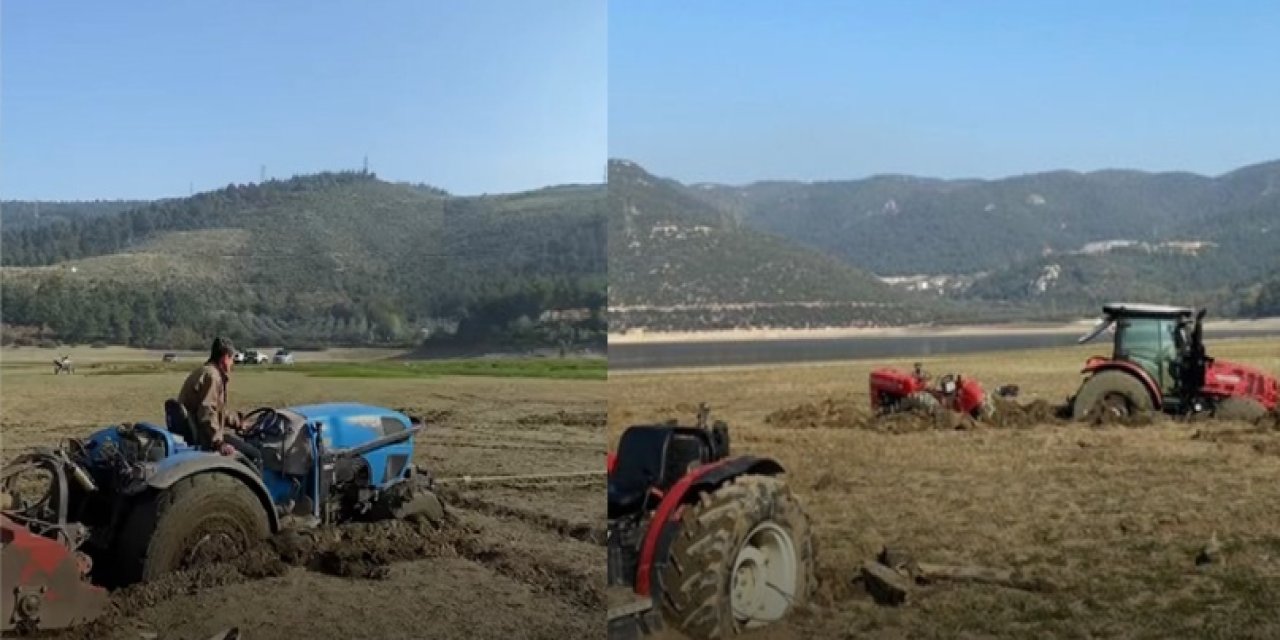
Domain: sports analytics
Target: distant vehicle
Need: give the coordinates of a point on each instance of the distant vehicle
(254, 357)
(238, 358)
(283, 357)
(169, 357)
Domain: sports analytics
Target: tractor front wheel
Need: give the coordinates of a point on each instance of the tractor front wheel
(743, 558)
(205, 518)
(1111, 393)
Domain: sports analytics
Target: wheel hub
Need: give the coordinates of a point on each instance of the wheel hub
(1115, 405)
(763, 583)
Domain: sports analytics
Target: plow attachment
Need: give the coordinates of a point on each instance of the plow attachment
(43, 584)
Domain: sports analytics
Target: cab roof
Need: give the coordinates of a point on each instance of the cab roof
(1148, 310)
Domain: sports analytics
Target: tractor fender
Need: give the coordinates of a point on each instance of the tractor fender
(1096, 365)
(666, 518)
(207, 463)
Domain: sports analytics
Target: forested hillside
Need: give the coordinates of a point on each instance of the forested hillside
(678, 262)
(321, 259)
(24, 214)
(1059, 242)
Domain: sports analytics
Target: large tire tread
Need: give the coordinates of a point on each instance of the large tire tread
(695, 580)
(1103, 383)
(159, 527)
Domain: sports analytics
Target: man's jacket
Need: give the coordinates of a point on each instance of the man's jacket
(204, 396)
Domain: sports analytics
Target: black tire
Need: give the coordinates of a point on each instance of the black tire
(1123, 389)
(1246, 409)
(697, 578)
(171, 530)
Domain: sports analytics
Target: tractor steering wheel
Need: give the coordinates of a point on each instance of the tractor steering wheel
(247, 418)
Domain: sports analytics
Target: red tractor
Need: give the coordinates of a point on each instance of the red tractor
(710, 543)
(894, 390)
(1158, 363)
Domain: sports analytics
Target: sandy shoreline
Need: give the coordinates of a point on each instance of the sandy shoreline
(754, 335)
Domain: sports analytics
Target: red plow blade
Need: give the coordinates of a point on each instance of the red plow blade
(43, 584)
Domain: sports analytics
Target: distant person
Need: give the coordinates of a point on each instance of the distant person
(204, 396)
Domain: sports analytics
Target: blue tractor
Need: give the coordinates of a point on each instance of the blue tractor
(141, 501)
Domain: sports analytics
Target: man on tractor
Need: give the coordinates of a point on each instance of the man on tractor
(204, 397)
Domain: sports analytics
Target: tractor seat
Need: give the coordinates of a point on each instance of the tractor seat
(639, 468)
(650, 457)
(178, 422)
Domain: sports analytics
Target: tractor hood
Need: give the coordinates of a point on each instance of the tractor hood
(349, 425)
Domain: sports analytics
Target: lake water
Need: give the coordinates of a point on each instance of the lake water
(744, 352)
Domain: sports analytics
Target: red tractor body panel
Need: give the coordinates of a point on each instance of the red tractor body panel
(45, 579)
(888, 382)
(1228, 379)
(968, 396)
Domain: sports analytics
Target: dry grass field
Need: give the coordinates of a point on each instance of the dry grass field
(518, 561)
(1109, 518)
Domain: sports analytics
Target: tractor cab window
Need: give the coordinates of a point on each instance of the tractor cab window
(1149, 343)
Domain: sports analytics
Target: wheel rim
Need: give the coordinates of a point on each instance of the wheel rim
(1115, 405)
(763, 582)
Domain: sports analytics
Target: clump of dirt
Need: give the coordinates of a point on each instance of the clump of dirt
(835, 585)
(1108, 419)
(828, 414)
(1270, 421)
(845, 414)
(566, 418)
(919, 420)
(1010, 414)
(361, 550)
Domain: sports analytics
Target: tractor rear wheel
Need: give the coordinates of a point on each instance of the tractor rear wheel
(201, 519)
(1239, 409)
(743, 558)
(920, 401)
(1113, 393)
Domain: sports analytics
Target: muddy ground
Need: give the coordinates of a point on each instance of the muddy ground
(514, 560)
(1111, 518)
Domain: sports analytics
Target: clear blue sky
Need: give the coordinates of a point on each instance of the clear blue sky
(735, 91)
(143, 97)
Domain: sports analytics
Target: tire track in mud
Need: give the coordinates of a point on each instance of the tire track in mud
(580, 531)
(532, 445)
(547, 573)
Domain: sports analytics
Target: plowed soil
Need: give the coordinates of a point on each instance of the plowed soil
(513, 560)
(1113, 515)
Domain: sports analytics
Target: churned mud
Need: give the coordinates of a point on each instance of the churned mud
(832, 413)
